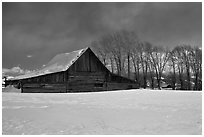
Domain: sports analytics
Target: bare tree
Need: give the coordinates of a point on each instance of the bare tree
(186, 51)
(103, 48)
(143, 48)
(159, 58)
(101, 51)
(196, 63)
(130, 41)
(151, 72)
(178, 56)
(173, 65)
(136, 62)
(119, 46)
(184, 55)
(125, 53)
(188, 61)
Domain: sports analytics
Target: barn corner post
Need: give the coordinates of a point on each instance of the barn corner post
(21, 85)
(66, 81)
(106, 81)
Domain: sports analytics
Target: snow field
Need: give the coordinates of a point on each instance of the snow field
(117, 112)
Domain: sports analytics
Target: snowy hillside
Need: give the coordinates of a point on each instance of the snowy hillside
(118, 112)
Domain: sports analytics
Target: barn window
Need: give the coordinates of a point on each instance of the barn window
(98, 84)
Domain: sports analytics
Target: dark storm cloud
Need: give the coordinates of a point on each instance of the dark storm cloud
(172, 23)
(41, 30)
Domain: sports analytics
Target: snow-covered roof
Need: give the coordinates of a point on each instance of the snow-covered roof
(60, 62)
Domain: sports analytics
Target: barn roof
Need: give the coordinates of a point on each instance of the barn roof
(60, 62)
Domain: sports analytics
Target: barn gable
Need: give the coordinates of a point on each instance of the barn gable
(88, 62)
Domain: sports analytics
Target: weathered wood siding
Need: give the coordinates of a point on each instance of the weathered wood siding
(49, 78)
(86, 81)
(44, 88)
(47, 83)
(88, 62)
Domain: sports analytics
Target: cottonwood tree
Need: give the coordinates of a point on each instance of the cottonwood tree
(150, 65)
(196, 64)
(172, 60)
(100, 51)
(111, 42)
(136, 62)
(143, 51)
(102, 48)
(188, 62)
(178, 56)
(125, 53)
(119, 46)
(159, 58)
(187, 51)
(129, 42)
(118, 51)
(184, 57)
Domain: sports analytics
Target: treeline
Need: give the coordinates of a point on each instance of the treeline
(125, 54)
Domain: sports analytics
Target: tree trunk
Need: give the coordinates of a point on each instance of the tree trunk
(135, 68)
(174, 77)
(138, 74)
(104, 61)
(151, 77)
(196, 81)
(119, 66)
(188, 78)
(174, 82)
(128, 56)
(144, 76)
(152, 83)
(21, 86)
(181, 81)
(159, 83)
(181, 77)
(145, 81)
(112, 65)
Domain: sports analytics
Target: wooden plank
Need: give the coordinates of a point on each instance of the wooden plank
(85, 73)
(44, 87)
(42, 90)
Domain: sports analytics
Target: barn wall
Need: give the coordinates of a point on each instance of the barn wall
(87, 74)
(96, 81)
(121, 86)
(86, 81)
(47, 83)
(118, 79)
(44, 88)
(49, 78)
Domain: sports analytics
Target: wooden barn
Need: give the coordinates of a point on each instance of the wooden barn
(77, 71)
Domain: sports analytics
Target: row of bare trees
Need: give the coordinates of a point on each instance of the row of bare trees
(125, 54)
(186, 61)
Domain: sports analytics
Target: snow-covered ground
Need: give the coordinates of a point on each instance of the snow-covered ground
(117, 112)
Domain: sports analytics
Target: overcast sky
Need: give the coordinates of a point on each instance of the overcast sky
(35, 32)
